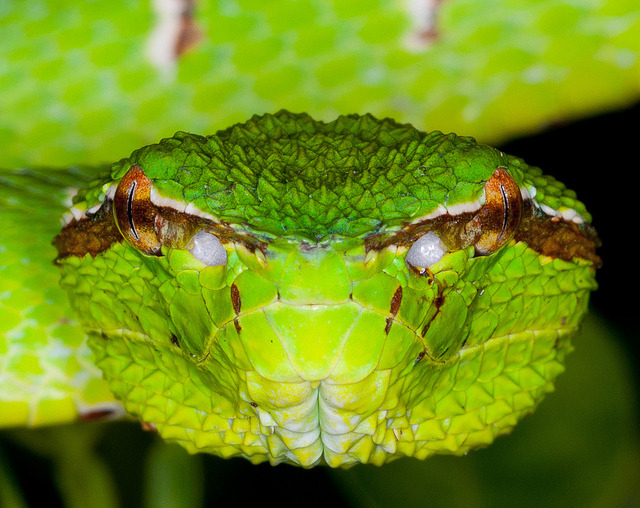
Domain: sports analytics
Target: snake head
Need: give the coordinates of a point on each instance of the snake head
(310, 292)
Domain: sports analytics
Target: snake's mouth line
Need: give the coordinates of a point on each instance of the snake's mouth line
(517, 337)
(424, 353)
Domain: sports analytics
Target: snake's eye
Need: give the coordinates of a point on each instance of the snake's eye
(206, 248)
(426, 251)
(498, 220)
(134, 212)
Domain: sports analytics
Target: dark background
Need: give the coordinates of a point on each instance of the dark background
(599, 158)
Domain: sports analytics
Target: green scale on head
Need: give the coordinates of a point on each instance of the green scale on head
(355, 291)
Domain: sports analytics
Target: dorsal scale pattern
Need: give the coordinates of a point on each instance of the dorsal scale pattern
(287, 174)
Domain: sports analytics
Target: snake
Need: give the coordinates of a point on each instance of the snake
(294, 290)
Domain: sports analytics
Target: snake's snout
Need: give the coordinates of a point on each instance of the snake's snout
(314, 276)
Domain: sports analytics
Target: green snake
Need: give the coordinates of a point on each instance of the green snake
(292, 290)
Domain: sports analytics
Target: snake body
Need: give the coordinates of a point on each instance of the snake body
(290, 290)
